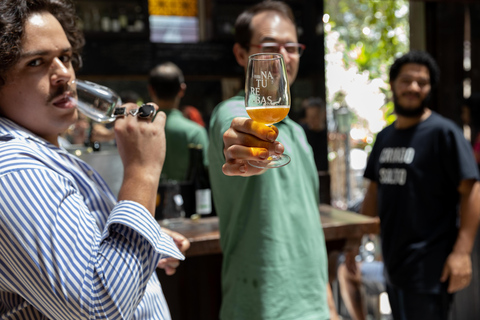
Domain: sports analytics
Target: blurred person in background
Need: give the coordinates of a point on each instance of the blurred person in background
(166, 87)
(424, 188)
(365, 280)
(70, 249)
(274, 254)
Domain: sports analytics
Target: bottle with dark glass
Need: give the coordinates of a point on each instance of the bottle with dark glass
(197, 176)
(188, 192)
(89, 142)
(170, 207)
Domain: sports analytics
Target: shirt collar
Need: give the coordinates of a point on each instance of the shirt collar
(11, 130)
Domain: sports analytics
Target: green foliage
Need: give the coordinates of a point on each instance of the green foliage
(388, 113)
(373, 32)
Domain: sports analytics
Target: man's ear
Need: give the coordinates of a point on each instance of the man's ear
(183, 88)
(240, 54)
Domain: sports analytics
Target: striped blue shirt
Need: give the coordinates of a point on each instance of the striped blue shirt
(69, 250)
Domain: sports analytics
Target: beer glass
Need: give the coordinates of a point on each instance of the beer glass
(267, 97)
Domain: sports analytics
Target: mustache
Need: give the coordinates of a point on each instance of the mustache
(416, 94)
(400, 110)
(60, 91)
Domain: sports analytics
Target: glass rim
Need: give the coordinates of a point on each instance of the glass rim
(274, 55)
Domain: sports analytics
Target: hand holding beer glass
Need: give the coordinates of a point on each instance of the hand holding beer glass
(267, 97)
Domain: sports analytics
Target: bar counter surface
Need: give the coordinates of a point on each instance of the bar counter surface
(338, 226)
(194, 291)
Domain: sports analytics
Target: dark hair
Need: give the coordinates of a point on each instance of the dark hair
(165, 80)
(418, 57)
(14, 14)
(243, 30)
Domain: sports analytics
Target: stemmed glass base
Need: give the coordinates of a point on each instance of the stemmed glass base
(273, 161)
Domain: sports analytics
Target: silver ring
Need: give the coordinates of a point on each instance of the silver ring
(120, 112)
(146, 111)
(133, 112)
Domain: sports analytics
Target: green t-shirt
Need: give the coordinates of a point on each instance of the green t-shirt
(179, 133)
(274, 255)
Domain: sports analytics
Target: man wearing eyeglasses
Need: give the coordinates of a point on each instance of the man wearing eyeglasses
(274, 255)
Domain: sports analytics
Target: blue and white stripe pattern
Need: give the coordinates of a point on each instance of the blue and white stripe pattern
(68, 249)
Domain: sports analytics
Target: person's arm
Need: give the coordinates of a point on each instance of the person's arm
(331, 304)
(70, 254)
(369, 205)
(248, 140)
(141, 145)
(65, 261)
(369, 208)
(458, 267)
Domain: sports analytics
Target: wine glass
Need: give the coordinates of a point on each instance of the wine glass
(97, 102)
(267, 97)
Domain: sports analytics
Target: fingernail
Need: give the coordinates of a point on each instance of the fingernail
(271, 136)
(278, 148)
(243, 168)
(263, 155)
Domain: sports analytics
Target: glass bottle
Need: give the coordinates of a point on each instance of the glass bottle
(197, 176)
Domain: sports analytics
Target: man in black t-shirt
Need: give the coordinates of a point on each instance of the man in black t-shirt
(424, 188)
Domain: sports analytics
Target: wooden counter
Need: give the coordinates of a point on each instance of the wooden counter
(194, 291)
(338, 226)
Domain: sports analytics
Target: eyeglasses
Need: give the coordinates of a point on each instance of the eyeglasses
(273, 47)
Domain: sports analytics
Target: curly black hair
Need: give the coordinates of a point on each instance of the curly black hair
(13, 15)
(417, 57)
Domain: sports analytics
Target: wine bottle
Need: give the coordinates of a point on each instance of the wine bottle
(188, 192)
(197, 176)
(172, 204)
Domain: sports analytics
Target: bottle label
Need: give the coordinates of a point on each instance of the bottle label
(203, 200)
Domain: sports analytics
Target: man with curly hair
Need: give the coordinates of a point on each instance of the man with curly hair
(69, 249)
(424, 188)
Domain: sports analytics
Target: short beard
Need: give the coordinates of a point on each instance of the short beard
(408, 112)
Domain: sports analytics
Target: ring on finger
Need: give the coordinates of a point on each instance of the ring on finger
(146, 111)
(120, 112)
(133, 112)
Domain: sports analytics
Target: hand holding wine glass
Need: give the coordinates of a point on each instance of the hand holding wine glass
(104, 105)
(267, 97)
(140, 138)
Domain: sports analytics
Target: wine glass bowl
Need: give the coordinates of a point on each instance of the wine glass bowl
(95, 101)
(267, 97)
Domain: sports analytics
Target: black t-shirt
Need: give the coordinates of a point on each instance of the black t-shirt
(418, 171)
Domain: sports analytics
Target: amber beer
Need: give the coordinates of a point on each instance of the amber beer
(268, 114)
